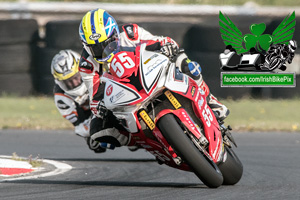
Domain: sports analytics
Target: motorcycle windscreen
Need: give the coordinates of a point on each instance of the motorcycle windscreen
(152, 65)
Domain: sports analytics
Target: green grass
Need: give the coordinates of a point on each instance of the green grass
(264, 115)
(246, 114)
(30, 113)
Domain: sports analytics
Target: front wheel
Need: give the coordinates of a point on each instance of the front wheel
(183, 146)
(232, 168)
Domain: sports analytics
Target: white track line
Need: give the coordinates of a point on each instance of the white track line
(61, 168)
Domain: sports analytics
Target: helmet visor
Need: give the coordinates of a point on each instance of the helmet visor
(73, 82)
(97, 49)
(110, 49)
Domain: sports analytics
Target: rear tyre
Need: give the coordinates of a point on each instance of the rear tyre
(232, 168)
(181, 143)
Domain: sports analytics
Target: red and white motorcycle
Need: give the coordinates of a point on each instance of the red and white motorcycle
(167, 114)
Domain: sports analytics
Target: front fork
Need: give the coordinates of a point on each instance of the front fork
(227, 136)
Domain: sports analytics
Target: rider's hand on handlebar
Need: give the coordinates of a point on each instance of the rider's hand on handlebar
(170, 50)
(98, 109)
(102, 110)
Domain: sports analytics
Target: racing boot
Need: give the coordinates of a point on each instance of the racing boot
(105, 132)
(131, 144)
(220, 110)
(95, 146)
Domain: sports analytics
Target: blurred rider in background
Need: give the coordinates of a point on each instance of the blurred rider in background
(98, 30)
(71, 95)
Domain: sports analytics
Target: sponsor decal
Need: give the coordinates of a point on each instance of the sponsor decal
(146, 118)
(116, 97)
(154, 56)
(200, 102)
(193, 91)
(95, 36)
(201, 91)
(172, 99)
(154, 66)
(189, 120)
(109, 90)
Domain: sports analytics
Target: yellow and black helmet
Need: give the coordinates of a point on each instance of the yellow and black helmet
(65, 65)
(64, 68)
(98, 31)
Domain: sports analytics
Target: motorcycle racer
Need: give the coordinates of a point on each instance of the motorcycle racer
(278, 54)
(99, 30)
(71, 95)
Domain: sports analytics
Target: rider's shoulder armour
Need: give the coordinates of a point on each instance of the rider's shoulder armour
(84, 64)
(131, 31)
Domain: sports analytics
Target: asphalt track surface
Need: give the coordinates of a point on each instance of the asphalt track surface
(271, 170)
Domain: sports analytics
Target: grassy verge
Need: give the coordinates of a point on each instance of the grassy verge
(30, 113)
(246, 114)
(264, 115)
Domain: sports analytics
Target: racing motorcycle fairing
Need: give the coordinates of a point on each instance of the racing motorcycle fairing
(210, 124)
(152, 66)
(156, 77)
(121, 90)
(181, 84)
(176, 81)
(203, 112)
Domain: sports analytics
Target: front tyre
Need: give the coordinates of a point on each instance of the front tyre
(232, 168)
(184, 147)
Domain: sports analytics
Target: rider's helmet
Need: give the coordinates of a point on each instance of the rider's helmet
(98, 30)
(64, 68)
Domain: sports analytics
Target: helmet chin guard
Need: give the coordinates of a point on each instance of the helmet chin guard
(78, 91)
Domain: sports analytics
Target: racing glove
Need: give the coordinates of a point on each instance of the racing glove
(98, 109)
(170, 49)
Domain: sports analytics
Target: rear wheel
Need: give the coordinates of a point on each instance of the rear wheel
(208, 173)
(232, 168)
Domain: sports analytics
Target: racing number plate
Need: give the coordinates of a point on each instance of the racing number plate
(146, 118)
(172, 99)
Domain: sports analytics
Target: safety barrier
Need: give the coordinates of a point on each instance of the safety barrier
(26, 58)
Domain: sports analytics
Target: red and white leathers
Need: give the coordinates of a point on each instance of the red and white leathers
(75, 109)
